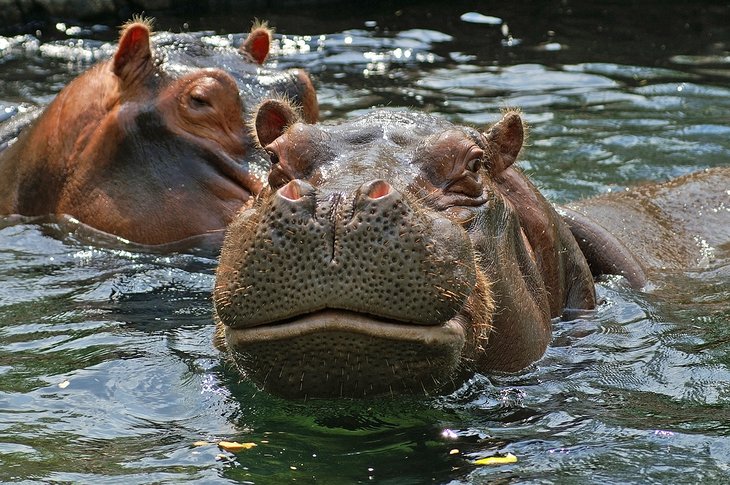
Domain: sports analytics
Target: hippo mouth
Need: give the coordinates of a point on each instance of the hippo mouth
(331, 320)
(237, 171)
(338, 353)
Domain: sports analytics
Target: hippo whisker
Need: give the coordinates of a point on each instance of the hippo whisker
(266, 376)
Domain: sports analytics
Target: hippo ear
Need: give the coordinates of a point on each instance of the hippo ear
(257, 43)
(272, 119)
(505, 142)
(133, 56)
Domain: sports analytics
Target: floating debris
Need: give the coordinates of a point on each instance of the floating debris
(497, 460)
(234, 446)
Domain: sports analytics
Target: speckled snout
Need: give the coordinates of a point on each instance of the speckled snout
(326, 292)
(372, 251)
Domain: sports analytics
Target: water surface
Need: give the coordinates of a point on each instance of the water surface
(107, 368)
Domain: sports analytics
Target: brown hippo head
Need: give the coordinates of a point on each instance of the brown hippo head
(151, 145)
(395, 253)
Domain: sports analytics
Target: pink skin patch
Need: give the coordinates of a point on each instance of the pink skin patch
(291, 191)
(379, 189)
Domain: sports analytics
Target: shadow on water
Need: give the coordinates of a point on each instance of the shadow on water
(107, 368)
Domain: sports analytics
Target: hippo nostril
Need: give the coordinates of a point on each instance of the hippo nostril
(291, 191)
(377, 189)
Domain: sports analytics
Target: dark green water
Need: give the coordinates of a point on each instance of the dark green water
(107, 371)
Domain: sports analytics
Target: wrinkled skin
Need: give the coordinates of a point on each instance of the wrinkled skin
(151, 145)
(396, 253)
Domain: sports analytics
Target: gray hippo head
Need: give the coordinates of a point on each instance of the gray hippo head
(395, 253)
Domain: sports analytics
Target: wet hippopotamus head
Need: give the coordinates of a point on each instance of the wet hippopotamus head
(152, 144)
(388, 255)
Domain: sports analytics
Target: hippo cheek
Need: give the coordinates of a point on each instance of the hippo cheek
(334, 353)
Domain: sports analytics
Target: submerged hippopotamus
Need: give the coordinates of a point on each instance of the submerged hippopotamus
(654, 228)
(151, 145)
(399, 253)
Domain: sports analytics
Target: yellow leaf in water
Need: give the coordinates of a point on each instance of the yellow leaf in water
(497, 460)
(201, 443)
(234, 446)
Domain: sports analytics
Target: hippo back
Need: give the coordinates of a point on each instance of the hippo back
(655, 227)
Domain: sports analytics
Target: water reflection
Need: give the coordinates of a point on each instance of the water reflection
(107, 368)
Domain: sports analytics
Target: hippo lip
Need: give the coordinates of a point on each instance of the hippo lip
(449, 333)
(237, 172)
(229, 167)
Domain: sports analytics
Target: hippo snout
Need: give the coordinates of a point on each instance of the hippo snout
(326, 292)
(367, 251)
(392, 253)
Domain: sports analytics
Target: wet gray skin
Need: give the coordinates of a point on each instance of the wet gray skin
(396, 253)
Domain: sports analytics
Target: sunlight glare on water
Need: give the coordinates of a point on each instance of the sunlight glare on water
(108, 372)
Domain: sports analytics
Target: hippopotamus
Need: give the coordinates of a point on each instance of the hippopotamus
(151, 145)
(401, 253)
(654, 229)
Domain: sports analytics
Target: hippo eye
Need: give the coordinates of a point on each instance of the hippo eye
(198, 99)
(469, 182)
(474, 162)
(197, 102)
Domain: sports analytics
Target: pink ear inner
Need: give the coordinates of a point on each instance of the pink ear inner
(257, 44)
(133, 52)
(272, 119)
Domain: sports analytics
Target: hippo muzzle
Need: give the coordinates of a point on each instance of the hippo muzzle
(345, 294)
